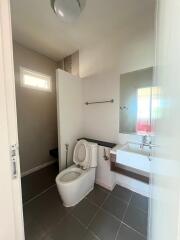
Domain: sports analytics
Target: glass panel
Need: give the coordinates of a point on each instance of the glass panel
(135, 101)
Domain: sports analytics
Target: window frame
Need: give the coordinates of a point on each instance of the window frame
(24, 70)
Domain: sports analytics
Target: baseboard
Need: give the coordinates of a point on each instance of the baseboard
(133, 185)
(35, 169)
(109, 187)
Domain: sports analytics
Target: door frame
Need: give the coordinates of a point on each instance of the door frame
(10, 132)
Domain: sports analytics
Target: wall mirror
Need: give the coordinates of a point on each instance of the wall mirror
(135, 102)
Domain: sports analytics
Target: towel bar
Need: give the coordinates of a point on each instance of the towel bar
(108, 101)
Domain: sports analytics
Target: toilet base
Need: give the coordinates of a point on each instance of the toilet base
(78, 200)
(72, 192)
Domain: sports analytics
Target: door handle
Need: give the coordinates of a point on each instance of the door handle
(13, 155)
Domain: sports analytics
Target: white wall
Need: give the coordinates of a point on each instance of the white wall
(100, 68)
(69, 111)
(121, 53)
(36, 111)
(101, 120)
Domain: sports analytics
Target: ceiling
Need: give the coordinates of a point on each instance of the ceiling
(36, 26)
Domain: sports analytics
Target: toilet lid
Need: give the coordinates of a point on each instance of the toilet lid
(81, 154)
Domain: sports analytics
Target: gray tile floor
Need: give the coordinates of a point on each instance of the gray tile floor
(102, 215)
(37, 182)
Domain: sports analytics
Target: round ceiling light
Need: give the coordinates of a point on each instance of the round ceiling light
(69, 10)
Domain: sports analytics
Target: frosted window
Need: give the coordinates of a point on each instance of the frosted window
(31, 79)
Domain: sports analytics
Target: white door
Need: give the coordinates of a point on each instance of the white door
(165, 199)
(11, 217)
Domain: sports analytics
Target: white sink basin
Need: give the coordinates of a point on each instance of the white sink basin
(134, 156)
(136, 149)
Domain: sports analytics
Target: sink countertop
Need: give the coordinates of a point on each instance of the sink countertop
(135, 149)
(117, 147)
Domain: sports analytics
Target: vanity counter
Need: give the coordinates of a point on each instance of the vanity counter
(130, 162)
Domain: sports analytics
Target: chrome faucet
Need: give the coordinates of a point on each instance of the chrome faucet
(145, 141)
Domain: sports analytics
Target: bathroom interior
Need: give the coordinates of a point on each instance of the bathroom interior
(85, 104)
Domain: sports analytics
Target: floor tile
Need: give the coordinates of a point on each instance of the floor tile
(47, 238)
(97, 196)
(115, 206)
(136, 219)
(122, 193)
(90, 236)
(105, 226)
(85, 211)
(34, 231)
(139, 201)
(47, 219)
(126, 233)
(28, 213)
(102, 188)
(47, 209)
(68, 229)
(37, 182)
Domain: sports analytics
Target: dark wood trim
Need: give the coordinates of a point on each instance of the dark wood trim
(118, 168)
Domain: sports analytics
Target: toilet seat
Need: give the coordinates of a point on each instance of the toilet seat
(81, 154)
(69, 175)
(72, 191)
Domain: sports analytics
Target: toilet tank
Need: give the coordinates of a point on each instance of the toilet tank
(93, 148)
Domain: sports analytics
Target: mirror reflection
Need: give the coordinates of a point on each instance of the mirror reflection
(135, 101)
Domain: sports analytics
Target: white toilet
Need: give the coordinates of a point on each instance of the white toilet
(75, 182)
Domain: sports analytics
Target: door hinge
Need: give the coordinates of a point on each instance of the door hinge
(13, 155)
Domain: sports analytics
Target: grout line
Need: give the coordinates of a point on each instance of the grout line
(110, 214)
(94, 235)
(118, 231)
(67, 213)
(142, 210)
(120, 199)
(38, 195)
(99, 208)
(116, 196)
(49, 229)
(127, 207)
(125, 215)
(128, 203)
(142, 235)
(84, 226)
(77, 219)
